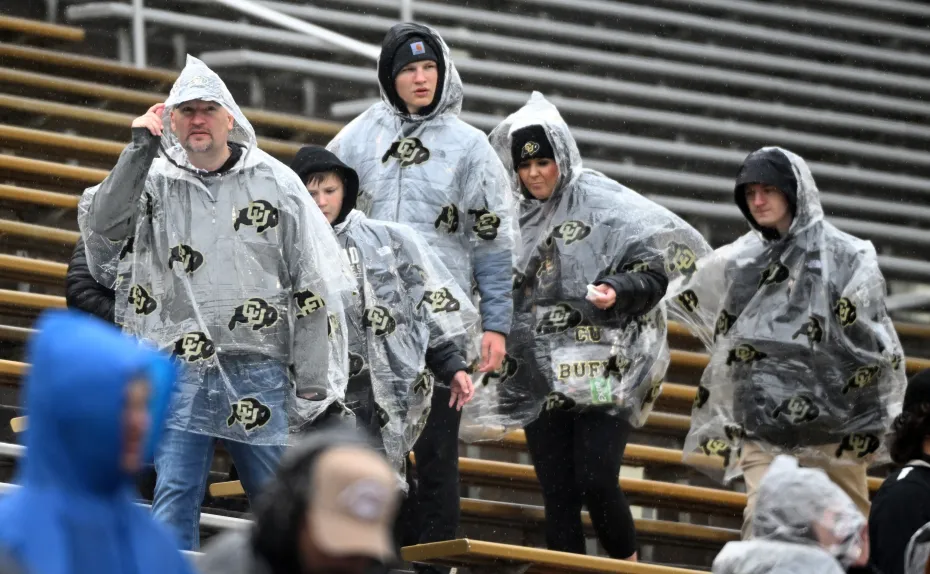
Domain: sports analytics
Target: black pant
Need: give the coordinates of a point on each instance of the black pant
(430, 513)
(577, 457)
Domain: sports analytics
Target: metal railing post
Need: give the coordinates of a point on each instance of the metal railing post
(138, 33)
(406, 10)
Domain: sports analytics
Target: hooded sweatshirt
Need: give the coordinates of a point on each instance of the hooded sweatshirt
(801, 521)
(563, 351)
(74, 512)
(407, 313)
(803, 352)
(236, 264)
(437, 174)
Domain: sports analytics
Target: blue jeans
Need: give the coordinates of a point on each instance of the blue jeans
(183, 462)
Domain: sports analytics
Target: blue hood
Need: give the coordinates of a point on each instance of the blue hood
(75, 510)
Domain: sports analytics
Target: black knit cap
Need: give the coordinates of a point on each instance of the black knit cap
(918, 391)
(415, 49)
(530, 142)
(769, 167)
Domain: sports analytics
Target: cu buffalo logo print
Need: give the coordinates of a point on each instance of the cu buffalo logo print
(744, 354)
(486, 223)
(813, 330)
(679, 257)
(571, 231)
(441, 301)
(193, 347)
(859, 444)
(654, 390)
(142, 303)
(863, 377)
(559, 319)
(260, 214)
(798, 409)
(356, 364)
(558, 401)
(448, 218)
(716, 447)
(256, 312)
(774, 273)
(250, 413)
(845, 311)
(307, 302)
(509, 368)
(424, 383)
(190, 259)
(688, 300)
(724, 324)
(408, 151)
(701, 397)
(380, 321)
(529, 150)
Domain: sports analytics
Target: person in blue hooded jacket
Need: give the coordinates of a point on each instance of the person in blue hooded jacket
(96, 401)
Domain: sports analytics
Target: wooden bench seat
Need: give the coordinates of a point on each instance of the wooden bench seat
(492, 557)
(41, 29)
(38, 196)
(83, 63)
(34, 301)
(38, 232)
(37, 270)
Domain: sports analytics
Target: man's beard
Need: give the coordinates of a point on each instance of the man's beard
(198, 148)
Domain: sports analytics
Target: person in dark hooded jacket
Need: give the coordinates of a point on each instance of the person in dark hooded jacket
(804, 357)
(83, 292)
(424, 319)
(419, 164)
(97, 402)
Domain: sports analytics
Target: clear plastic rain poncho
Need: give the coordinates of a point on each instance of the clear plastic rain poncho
(238, 275)
(407, 302)
(563, 352)
(804, 358)
(797, 509)
(917, 555)
(438, 175)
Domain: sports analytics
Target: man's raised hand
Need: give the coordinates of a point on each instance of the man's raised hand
(151, 120)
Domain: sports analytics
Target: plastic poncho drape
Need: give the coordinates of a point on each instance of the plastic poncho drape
(797, 509)
(563, 351)
(438, 175)
(238, 274)
(804, 358)
(917, 555)
(407, 301)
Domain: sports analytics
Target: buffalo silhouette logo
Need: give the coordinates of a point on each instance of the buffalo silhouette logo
(716, 447)
(356, 364)
(860, 444)
(561, 318)
(725, 322)
(142, 303)
(529, 150)
(798, 409)
(689, 300)
(424, 382)
(509, 368)
(774, 273)
(744, 354)
(701, 397)
(813, 330)
(194, 346)
(260, 214)
(862, 377)
(845, 311)
(734, 432)
(441, 301)
(448, 218)
(190, 259)
(307, 302)
(571, 231)
(679, 257)
(654, 391)
(250, 413)
(408, 151)
(486, 223)
(256, 312)
(380, 321)
(558, 401)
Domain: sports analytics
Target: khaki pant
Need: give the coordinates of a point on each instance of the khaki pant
(754, 463)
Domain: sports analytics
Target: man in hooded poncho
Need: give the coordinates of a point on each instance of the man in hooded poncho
(419, 164)
(803, 523)
(408, 321)
(97, 402)
(587, 351)
(219, 256)
(804, 358)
